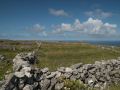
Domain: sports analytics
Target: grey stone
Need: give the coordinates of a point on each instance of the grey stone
(19, 74)
(2, 83)
(73, 78)
(67, 75)
(61, 69)
(80, 70)
(68, 70)
(76, 66)
(45, 70)
(98, 63)
(75, 72)
(58, 74)
(45, 84)
(2, 57)
(92, 71)
(28, 87)
(53, 74)
(59, 86)
(52, 85)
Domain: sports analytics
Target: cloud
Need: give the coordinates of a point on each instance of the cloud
(59, 12)
(37, 28)
(44, 33)
(62, 28)
(89, 27)
(98, 13)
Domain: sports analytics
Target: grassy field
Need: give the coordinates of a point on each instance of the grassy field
(55, 54)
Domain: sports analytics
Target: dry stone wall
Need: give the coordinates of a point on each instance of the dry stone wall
(27, 77)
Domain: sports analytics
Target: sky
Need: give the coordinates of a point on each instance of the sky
(60, 19)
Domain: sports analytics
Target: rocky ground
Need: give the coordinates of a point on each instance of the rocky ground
(26, 76)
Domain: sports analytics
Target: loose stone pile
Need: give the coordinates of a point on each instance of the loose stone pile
(28, 77)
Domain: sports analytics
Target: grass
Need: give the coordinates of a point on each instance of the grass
(54, 55)
(65, 54)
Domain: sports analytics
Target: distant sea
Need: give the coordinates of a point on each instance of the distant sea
(110, 43)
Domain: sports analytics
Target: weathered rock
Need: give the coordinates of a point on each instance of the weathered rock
(2, 83)
(61, 69)
(2, 57)
(58, 74)
(52, 75)
(28, 87)
(21, 83)
(68, 70)
(59, 86)
(73, 78)
(67, 75)
(45, 84)
(53, 83)
(76, 66)
(19, 74)
(45, 70)
(23, 60)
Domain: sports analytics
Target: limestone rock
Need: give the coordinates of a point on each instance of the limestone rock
(59, 86)
(28, 87)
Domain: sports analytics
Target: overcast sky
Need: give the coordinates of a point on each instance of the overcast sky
(60, 19)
